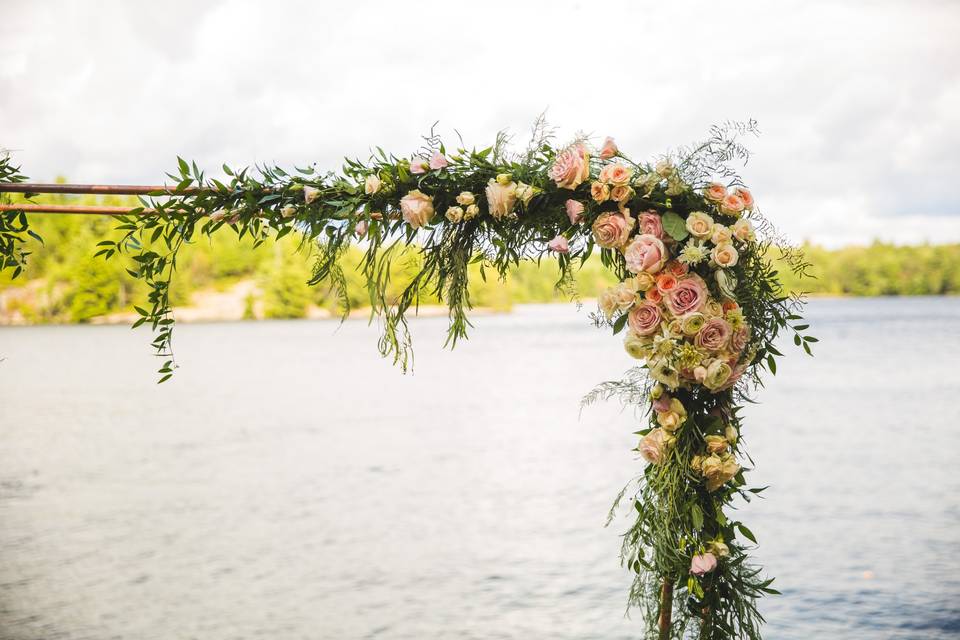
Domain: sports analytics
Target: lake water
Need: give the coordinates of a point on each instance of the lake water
(289, 484)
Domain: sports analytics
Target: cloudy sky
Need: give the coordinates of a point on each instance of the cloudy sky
(859, 103)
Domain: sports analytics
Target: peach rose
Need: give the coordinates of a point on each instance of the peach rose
(571, 167)
(732, 204)
(645, 253)
(621, 193)
(715, 192)
(654, 295)
(611, 230)
(677, 268)
(617, 174)
(724, 255)
(653, 446)
(417, 208)
(372, 184)
(465, 198)
(666, 283)
(746, 196)
(501, 198)
(644, 319)
(559, 245)
(688, 296)
(651, 224)
(574, 211)
(600, 192)
(618, 298)
(609, 149)
(700, 225)
(714, 335)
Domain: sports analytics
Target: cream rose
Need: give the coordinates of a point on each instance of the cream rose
(501, 198)
(466, 198)
(716, 444)
(471, 212)
(700, 225)
(618, 298)
(372, 184)
(571, 167)
(636, 346)
(621, 193)
(743, 231)
(653, 446)
(721, 234)
(417, 208)
(718, 372)
(645, 253)
(454, 214)
(310, 194)
(724, 255)
(616, 174)
(525, 192)
(611, 230)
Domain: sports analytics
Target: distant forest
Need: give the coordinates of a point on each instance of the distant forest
(64, 283)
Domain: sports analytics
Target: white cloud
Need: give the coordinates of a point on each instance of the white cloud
(859, 102)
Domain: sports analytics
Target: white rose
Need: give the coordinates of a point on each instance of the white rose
(417, 208)
(372, 184)
(501, 198)
(310, 194)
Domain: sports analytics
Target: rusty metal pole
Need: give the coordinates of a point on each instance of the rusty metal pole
(666, 609)
(87, 189)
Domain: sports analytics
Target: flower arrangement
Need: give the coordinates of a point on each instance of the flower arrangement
(698, 302)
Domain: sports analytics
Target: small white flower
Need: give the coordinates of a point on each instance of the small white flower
(694, 252)
(310, 194)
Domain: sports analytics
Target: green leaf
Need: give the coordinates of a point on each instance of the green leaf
(620, 323)
(697, 514)
(747, 533)
(772, 365)
(674, 225)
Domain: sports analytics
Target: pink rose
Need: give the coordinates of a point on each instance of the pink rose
(418, 166)
(662, 404)
(611, 230)
(739, 338)
(688, 296)
(559, 244)
(653, 446)
(746, 196)
(732, 204)
(644, 318)
(571, 167)
(651, 224)
(715, 192)
(609, 149)
(361, 228)
(703, 564)
(575, 211)
(417, 208)
(714, 334)
(645, 253)
(438, 161)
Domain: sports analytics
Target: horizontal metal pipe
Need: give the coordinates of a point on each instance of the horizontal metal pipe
(66, 208)
(96, 189)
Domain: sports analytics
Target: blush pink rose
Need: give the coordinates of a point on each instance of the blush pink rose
(651, 224)
(361, 228)
(644, 318)
(653, 446)
(438, 161)
(559, 244)
(575, 211)
(571, 167)
(662, 404)
(703, 564)
(609, 149)
(746, 196)
(714, 334)
(739, 338)
(645, 253)
(688, 296)
(611, 230)
(715, 192)
(417, 165)
(417, 208)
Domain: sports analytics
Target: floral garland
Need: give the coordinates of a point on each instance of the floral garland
(698, 302)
